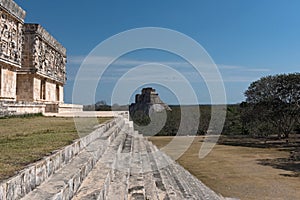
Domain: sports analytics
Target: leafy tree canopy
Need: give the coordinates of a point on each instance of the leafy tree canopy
(274, 100)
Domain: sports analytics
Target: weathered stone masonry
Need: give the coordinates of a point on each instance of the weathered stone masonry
(32, 65)
(11, 43)
(43, 67)
(148, 101)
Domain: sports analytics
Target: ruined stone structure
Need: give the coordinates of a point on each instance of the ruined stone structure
(43, 71)
(32, 65)
(11, 38)
(113, 162)
(148, 101)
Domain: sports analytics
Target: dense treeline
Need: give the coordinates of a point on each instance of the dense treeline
(233, 124)
(272, 107)
(103, 106)
(236, 123)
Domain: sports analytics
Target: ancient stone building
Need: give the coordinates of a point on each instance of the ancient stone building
(11, 42)
(32, 65)
(148, 101)
(43, 72)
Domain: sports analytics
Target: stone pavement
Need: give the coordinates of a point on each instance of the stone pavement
(115, 163)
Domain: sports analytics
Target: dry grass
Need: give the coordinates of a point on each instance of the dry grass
(28, 139)
(242, 172)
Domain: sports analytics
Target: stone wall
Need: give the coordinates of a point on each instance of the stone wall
(20, 108)
(32, 61)
(44, 57)
(33, 88)
(25, 87)
(11, 42)
(8, 84)
(50, 92)
(13, 8)
(8, 108)
(42, 54)
(11, 35)
(37, 89)
(67, 108)
(36, 173)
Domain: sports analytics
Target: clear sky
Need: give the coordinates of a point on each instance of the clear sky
(246, 39)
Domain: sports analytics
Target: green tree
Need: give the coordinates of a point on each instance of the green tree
(273, 101)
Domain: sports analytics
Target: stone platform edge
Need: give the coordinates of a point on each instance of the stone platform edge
(34, 174)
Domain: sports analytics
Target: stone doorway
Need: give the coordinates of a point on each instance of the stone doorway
(57, 93)
(43, 90)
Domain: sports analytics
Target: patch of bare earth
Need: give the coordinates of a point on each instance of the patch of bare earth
(242, 172)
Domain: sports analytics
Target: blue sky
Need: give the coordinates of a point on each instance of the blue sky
(246, 39)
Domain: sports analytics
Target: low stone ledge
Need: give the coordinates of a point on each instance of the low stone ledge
(62, 108)
(14, 9)
(8, 108)
(35, 174)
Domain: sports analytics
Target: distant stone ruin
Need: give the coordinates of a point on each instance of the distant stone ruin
(148, 101)
(32, 65)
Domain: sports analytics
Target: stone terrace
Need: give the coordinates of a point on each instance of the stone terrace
(113, 162)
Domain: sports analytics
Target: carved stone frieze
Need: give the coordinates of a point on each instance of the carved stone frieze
(43, 54)
(13, 8)
(11, 37)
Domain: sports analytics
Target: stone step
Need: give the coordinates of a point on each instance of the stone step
(166, 164)
(136, 187)
(149, 180)
(122, 164)
(161, 191)
(189, 186)
(119, 175)
(173, 187)
(36, 173)
(97, 182)
(65, 182)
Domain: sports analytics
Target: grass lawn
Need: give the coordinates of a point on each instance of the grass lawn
(242, 172)
(24, 140)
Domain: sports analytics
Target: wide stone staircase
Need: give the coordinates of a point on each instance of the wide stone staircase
(114, 162)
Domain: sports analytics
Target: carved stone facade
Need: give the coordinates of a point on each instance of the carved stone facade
(11, 42)
(43, 66)
(43, 54)
(32, 62)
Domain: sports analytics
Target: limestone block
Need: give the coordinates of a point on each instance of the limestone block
(3, 191)
(41, 172)
(36, 89)
(50, 91)
(25, 87)
(14, 188)
(57, 160)
(8, 84)
(29, 181)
